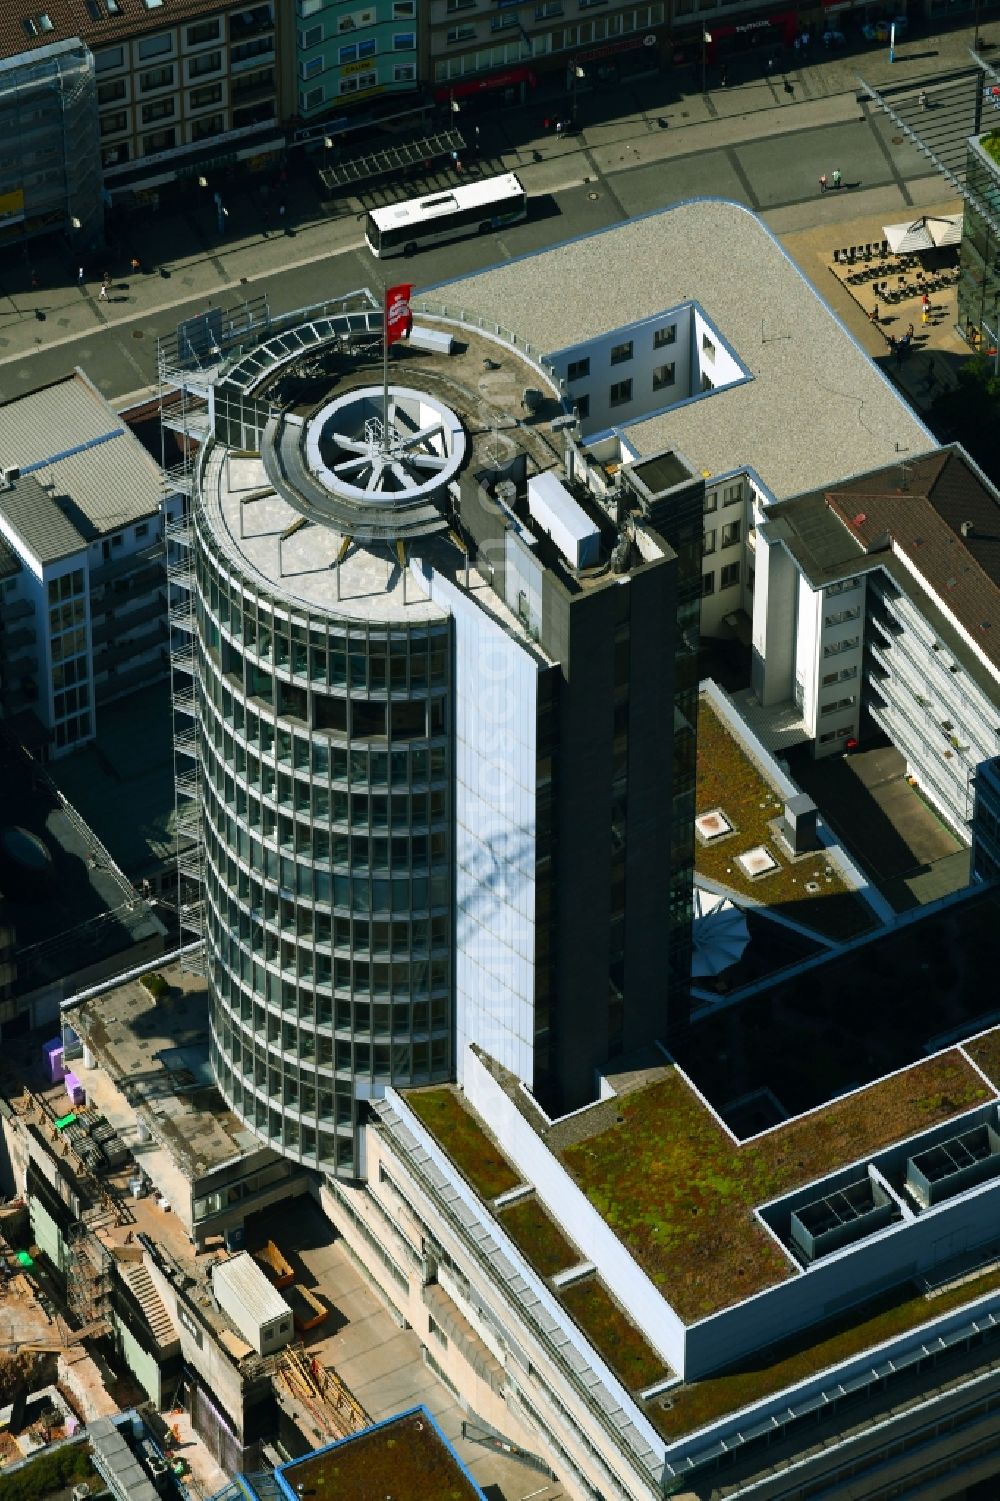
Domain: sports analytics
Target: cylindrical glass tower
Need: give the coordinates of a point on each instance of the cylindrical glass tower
(325, 704)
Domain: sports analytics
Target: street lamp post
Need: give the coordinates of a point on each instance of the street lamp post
(578, 73)
(706, 42)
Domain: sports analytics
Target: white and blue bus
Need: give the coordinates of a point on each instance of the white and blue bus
(472, 208)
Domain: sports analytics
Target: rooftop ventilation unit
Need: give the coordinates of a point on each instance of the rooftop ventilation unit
(847, 1214)
(953, 1165)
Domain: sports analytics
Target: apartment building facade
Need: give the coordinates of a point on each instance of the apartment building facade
(339, 54)
(84, 594)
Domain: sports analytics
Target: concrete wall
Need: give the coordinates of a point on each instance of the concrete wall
(774, 621)
(200, 1351)
(646, 357)
(570, 1207)
(507, 1307)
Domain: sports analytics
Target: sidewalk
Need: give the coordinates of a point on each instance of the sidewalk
(184, 258)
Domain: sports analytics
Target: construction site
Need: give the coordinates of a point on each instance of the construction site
(142, 1267)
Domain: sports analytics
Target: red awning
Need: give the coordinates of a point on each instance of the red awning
(470, 86)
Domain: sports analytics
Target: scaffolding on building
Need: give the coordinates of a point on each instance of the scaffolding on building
(211, 372)
(50, 173)
(188, 364)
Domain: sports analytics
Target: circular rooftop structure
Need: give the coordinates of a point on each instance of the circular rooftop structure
(375, 470)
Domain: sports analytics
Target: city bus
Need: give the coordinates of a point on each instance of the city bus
(471, 208)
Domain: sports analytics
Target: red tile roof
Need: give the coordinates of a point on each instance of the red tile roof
(945, 520)
(71, 18)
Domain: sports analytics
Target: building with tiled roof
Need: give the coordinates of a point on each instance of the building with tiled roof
(878, 604)
(135, 93)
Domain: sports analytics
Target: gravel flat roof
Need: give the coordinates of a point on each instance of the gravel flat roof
(816, 409)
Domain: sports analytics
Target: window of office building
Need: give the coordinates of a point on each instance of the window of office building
(707, 584)
(311, 98)
(311, 36)
(209, 62)
(204, 31)
(621, 352)
(708, 543)
(666, 335)
(663, 376)
(707, 347)
(621, 392)
(156, 78)
(582, 404)
(358, 82)
(732, 494)
(109, 59)
(112, 124)
(404, 73)
(208, 94)
(163, 109)
(729, 576)
(160, 45)
(731, 533)
(160, 140)
(111, 93)
(114, 156)
(577, 369)
(207, 125)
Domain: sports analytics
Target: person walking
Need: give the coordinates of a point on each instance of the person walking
(136, 264)
(79, 276)
(835, 178)
(102, 295)
(823, 184)
(873, 315)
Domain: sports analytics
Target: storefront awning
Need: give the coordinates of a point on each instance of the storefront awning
(508, 79)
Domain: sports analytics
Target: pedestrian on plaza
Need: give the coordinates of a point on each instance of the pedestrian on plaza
(102, 295)
(136, 264)
(925, 302)
(724, 76)
(873, 315)
(909, 333)
(893, 343)
(823, 184)
(922, 96)
(924, 317)
(79, 276)
(835, 178)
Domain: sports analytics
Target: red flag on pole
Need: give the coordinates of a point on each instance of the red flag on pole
(398, 318)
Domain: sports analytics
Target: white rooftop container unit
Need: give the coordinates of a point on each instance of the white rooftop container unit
(559, 516)
(256, 1308)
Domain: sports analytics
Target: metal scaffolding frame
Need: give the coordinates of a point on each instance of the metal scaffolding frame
(48, 119)
(948, 154)
(188, 363)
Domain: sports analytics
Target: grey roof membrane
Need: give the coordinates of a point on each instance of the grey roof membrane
(815, 410)
(91, 467)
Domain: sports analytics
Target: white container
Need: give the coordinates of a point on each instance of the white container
(255, 1306)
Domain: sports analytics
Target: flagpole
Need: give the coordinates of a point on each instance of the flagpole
(385, 369)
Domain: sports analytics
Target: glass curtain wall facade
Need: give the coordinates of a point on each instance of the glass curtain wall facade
(979, 283)
(325, 754)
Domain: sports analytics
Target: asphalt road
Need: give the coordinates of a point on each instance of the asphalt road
(770, 160)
